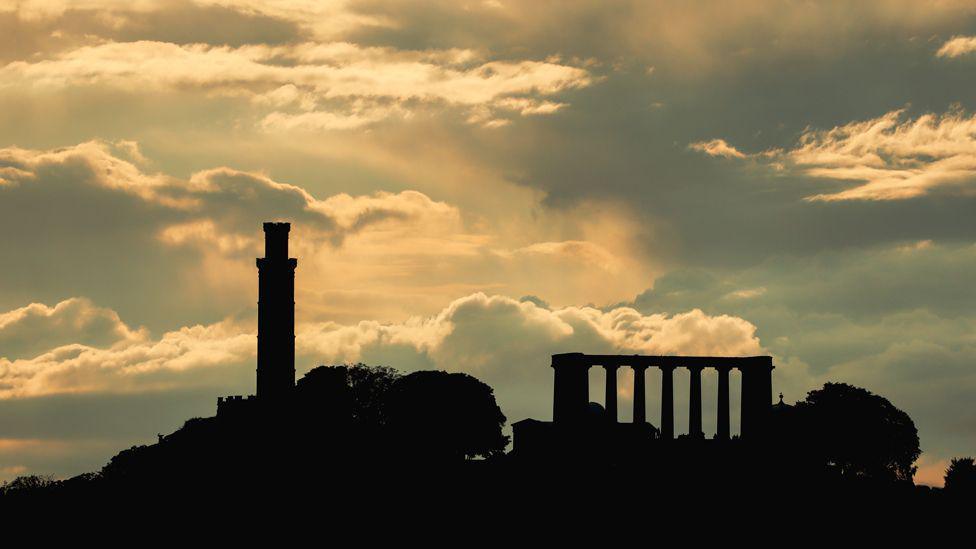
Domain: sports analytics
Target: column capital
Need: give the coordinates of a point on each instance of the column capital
(640, 367)
(695, 368)
(666, 367)
(569, 360)
(609, 367)
(723, 367)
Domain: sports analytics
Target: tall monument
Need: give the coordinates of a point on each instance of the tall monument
(276, 315)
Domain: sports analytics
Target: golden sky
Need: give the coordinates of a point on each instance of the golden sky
(474, 185)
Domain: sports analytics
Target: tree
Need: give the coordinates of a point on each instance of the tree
(28, 485)
(443, 416)
(368, 387)
(858, 433)
(960, 477)
(354, 392)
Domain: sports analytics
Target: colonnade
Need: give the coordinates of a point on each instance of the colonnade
(571, 389)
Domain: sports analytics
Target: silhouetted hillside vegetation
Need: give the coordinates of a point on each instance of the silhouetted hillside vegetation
(367, 430)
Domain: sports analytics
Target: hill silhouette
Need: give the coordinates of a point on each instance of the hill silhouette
(363, 434)
(358, 429)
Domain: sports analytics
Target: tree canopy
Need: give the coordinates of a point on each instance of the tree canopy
(858, 433)
(443, 415)
(429, 415)
(352, 393)
(960, 477)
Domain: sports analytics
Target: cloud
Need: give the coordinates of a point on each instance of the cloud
(340, 85)
(573, 250)
(86, 401)
(139, 366)
(324, 121)
(120, 230)
(957, 46)
(507, 342)
(888, 158)
(9, 472)
(673, 37)
(29, 330)
(581, 194)
(215, 199)
(621, 329)
(494, 337)
(749, 293)
(716, 147)
(530, 107)
(230, 22)
(166, 251)
(895, 319)
(660, 31)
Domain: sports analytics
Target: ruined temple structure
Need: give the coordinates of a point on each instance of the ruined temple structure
(578, 423)
(276, 326)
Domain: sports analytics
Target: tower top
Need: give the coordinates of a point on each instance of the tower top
(276, 239)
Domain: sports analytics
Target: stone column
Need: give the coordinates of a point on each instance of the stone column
(667, 402)
(745, 402)
(757, 396)
(640, 408)
(694, 403)
(722, 430)
(763, 396)
(611, 400)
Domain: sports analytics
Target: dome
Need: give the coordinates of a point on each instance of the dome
(595, 410)
(781, 405)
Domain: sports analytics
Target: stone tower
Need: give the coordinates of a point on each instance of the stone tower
(276, 315)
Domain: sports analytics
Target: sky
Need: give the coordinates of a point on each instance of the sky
(473, 186)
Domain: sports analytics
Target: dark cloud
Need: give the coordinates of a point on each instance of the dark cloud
(31, 330)
(614, 143)
(857, 283)
(770, 71)
(898, 320)
(179, 22)
(162, 251)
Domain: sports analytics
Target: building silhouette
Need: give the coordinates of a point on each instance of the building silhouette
(276, 315)
(354, 419)
(578, 423)
(276, 325)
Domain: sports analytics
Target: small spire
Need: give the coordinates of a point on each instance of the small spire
(781, 398)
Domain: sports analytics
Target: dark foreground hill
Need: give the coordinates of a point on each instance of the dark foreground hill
(355, 436)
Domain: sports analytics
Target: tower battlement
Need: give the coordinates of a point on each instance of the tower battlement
(276, 240)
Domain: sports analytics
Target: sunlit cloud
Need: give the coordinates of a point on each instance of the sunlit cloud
(333, 86)
(507, 325)
(886, 158)
(324, 19)
(574, 250)
(957, 46)
(716, 147)
(749, 293)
